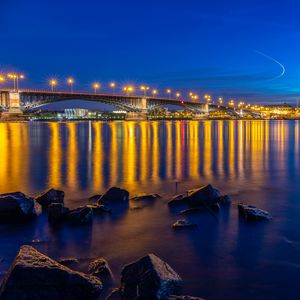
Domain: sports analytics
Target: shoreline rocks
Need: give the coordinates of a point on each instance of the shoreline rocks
(114, 194)
(183, 223)
(148, 278)
(49, 197)
(146, 197)
(252, 213)
(34, 275)
(100, 268)
(16, 206)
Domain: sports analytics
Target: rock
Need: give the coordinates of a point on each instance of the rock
(177, 200)
(34, 275)
(80, 215)
(100, 268)
(57, 212)
(52, 196)
(174, 297)
(99, 208)
(95, 198)
(149, 278)
(206, 195)
(69, 262)
(192, 210)
(16, 206)
(224, 200)
(252, 213)
(146, 197)
(114, 194)
(115, 294)
(183, 223)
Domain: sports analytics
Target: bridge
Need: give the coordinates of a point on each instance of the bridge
(136, 107)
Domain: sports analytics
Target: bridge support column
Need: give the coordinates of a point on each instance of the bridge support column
(13, 103)
(136, 116)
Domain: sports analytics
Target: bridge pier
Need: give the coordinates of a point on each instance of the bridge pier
(11, 105)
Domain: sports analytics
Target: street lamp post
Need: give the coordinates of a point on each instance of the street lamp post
(169, 93)
(154, 93)
(71, 82)
(15, 77)
(113, 86)
(53, 83)
(96, 86)
(178, 95)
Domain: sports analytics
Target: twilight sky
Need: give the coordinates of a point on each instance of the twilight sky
(225, 48)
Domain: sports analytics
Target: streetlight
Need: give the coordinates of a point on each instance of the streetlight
(53, 83)
(154, 93)
(15, 77)
(71, 82)
(178, 95)
(96, 86)
(168, 91)
(2, 79)
(128, 89)
(145, 89)
(112, 86)
(220, 100)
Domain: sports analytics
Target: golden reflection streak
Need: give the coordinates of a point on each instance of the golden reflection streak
(155, 152)
(97, 181)
(296, 134)
(113, 154)
(178, 157)
(72, 157)
(169, 152)
(207, 156)
(221, 148)
(144, 152)
(231, 142)
(193, 149)
(4, 156)
(55, 156)
(240, 158)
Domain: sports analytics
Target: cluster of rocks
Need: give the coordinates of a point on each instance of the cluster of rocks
(210, 198)
(34, 275)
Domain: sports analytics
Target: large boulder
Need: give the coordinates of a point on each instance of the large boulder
(206, 195)
(252, 213)
(115, 194)
(15, 206)
(80, 215)
(51, 196)
(34, 275)
(57, 212)
(99, 267)
(178, 200)
(149, 278)
(183, 223)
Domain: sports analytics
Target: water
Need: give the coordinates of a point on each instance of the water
(254, 162)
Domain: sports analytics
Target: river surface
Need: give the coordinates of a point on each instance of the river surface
(256, 162)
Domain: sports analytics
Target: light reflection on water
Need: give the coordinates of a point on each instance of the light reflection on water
(253, 161)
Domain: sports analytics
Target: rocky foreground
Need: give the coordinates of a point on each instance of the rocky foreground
(34, 275)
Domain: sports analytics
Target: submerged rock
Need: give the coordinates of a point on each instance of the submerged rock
(146, 197)
(80, 215)
(149, 278)
(192, 210)
(114, 194)
(34, 275)
(51, 196)
(99, 208)
(16, 206)
(178, 200)
(206, 195)
(57, 212)
(252, 213)
(183, 223)
(95, 198)
(100, 268)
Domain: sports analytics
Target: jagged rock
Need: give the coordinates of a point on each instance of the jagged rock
(114, 194)
(180, 224)
(146, 197)
(57, 212)
(99, 208)
(80, 215)
(174, 297)
(69, 262)
(178, 200)
(95, 198)
(206, 195)
(224, 200)
(51, 196)
(149, 278)
(34, 275)
(15, 206)
(192, 210)
(252, 213)
(100, 268)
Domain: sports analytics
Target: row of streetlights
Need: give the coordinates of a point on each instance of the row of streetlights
(12, 76)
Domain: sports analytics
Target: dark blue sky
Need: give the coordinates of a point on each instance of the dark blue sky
(204, 46)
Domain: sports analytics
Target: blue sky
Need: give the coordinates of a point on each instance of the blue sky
(192, 45)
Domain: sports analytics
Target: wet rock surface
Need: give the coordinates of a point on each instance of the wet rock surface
(146, 197)
(57, 212)
(80, 215)
(252, 213)
(16, 206)
(149, 278)
(183, 223)
(114, 194)
(99, 267)
(51, 196)
(34, 275)
(206, 195)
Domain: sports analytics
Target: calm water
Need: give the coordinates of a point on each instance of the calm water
(257, 162)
